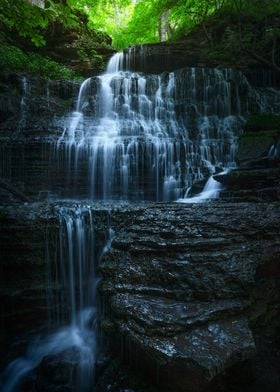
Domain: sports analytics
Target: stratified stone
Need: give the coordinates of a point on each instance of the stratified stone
(180, 285)
(192, 359)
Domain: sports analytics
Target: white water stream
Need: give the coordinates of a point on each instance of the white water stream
(138, 141)
(72, 307)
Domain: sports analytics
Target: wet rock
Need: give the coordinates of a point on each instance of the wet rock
(157, 58)
(255, 146)
(192, 359)
(23, 274)
(33, 108)
(188, 293)
(250, 178)
(180, 287)
(60, 373)
(118, 377)
(168, 317)
(257, 175)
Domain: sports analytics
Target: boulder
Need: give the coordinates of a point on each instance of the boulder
(256, 177)
(180, 286)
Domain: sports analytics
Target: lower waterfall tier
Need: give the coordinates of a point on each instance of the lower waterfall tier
(177, 280)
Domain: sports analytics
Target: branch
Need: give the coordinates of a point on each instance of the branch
(255, 55)
(19, 195)
(262, 59)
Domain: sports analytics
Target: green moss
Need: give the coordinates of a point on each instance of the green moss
(3, 214)
(254, 145)
(108, 326)
(260, 134)
(263, 122)
(13, 59)
(257, 313)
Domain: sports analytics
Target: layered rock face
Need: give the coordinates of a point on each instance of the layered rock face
(188, 293)
(257, 176)
(163, 57)
(182, 288)
(35, 293)
(84, 50)
(192, 52)
(167, 132)
(23, 277)
(34, 105)
(29, 122)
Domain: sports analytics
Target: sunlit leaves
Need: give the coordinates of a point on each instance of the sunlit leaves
(128, 22)
(31, 21)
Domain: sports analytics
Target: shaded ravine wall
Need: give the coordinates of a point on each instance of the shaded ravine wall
(174, 274)
(31, 287)
(183, 284)
(216, 266)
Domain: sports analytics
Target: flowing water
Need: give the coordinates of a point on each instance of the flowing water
(23, 103)
(150, 137)
(72, 300)
(211, 190)
(141, 137)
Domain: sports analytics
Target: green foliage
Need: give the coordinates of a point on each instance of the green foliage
(31, 21)
(89, 43)
(131, 22)
(110, 17)
(143, 25)
(141, 28)
(13, 59)
(3, 213)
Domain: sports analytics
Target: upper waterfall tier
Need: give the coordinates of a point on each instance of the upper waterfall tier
(151, 137)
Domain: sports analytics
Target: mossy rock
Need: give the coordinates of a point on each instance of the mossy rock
(263, 122)
(255, 145)
(3, 214)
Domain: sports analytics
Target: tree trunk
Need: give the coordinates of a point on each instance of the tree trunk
(164, 27)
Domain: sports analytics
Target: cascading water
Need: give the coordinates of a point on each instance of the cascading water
(211, 190)
(151, 137)
(23, 103)
(72, 303)
(142, 137)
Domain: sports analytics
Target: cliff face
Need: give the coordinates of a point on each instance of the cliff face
(23, 278)
(187, 292)
(80, 49)
(257, 176)
(208, 111)
(30, 105)
(184, 288)
(190, 293)
(29, 113)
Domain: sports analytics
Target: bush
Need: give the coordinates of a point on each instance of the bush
(13, 59)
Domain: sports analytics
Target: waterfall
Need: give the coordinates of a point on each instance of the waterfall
(211, 190)
(152, 136)
(137, 137)
(23, 103)
(72, 300)
(115, 63)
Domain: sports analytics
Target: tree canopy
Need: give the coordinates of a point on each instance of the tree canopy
(131, 22)
(145, 20)
(31, 21)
